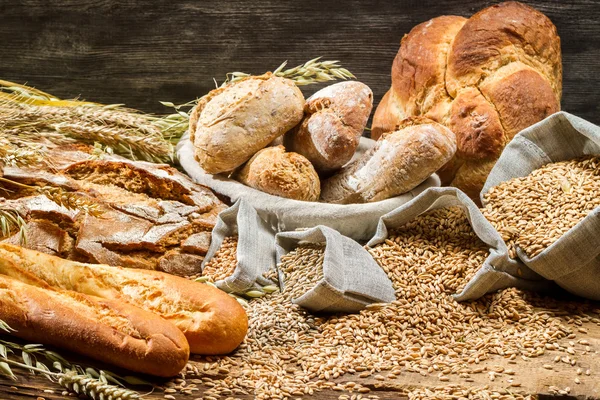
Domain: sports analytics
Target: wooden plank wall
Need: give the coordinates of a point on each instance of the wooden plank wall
(139, 52)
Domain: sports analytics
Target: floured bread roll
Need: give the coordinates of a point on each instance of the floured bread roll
(335, 118)
(280, 173)
(230, 124)
(398, 162)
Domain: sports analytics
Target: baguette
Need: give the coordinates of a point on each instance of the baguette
(212, 321)
(106, 330)
(398, 162)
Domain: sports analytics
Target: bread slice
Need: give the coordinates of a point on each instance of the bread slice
(106, 330)
(212, 321)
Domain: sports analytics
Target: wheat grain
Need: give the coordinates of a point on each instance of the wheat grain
(534, 211)
(289, 351)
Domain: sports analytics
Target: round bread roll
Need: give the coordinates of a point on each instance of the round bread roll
(486, 78)
(232, 123)
(280, 173)
(398, 162)
(335, 118)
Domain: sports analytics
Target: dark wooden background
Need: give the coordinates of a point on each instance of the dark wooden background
(140, 52)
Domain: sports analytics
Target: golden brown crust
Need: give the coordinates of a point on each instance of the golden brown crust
(106, 330)
(476, 124)
(485, 78)
(418, 71)
(502, 34)
(387, 116)
(212, 321)
(521, 96)
(335, 118)
(280, 173)
(398, 162)
(238, 120)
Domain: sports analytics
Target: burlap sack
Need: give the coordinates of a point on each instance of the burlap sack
(573, 262)
(351, 277)
(498, 271)
(357, 221)
(256, 253)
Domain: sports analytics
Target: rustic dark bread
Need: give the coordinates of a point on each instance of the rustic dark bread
(107, 330)
(212, 321)
(153, 216)
(399, 162)
(486, 78)
(334, 120)
(232, 123)
(285, 174)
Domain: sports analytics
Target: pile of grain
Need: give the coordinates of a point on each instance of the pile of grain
(297, 277)
(289, 353)
(535, 211)
(224, 262)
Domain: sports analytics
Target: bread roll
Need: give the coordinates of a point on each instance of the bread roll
(334, 120)
(212, 321)
(277, 172)
(103, 329)
(236, 121)
(486, 78)
(398, 162)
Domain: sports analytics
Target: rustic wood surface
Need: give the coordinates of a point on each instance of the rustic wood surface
(531, 374)
(140, 52)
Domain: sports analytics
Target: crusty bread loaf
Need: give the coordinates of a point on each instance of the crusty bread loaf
(107, 330)
(212, 321)
(158, 210)
(334, 120)
(236, 121)
(486, 78)
(280, 173)
(398, 162)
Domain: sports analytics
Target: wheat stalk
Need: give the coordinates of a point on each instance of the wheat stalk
(10, 220)
(313, 71)
(89, 381)
(127, 132)
(69, 200)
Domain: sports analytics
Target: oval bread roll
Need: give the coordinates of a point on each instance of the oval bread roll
(236, 121)
(280, 173)
(212, 321)
(335, 118)
(398, 162)
(106, 330)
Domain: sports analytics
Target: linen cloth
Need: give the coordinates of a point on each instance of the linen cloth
(357, 221)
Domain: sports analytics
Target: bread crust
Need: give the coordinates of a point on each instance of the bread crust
(334, 120)
(280, 173)
(486, 78)
(398, 162)
(212, 321)
(501, 34)
(236, 121)
(107, 330)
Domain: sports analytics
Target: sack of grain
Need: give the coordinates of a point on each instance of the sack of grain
(498, 271)
(255, 250)
(357, 221)
(336, 273)
(543, 196)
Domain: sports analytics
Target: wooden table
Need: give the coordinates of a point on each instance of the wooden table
(534, 378)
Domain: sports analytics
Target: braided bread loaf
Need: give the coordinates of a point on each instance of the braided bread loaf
(486, 78)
